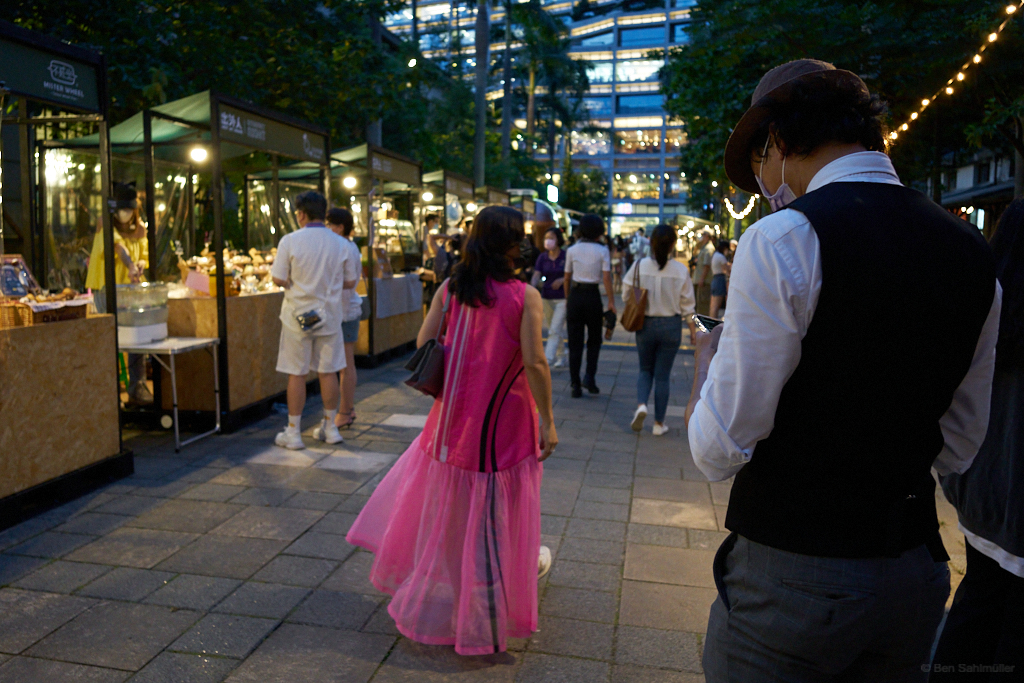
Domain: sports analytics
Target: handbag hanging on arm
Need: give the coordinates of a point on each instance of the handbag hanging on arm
(636, 304)
(427, 364)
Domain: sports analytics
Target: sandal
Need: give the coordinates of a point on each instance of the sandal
(342, 423)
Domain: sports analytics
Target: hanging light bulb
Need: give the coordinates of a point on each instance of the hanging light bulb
(949, 90)
(913, 117)
(349, 182)
(427, 196)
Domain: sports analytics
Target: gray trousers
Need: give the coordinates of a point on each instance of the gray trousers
(792, 618)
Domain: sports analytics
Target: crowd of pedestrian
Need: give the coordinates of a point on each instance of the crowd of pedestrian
(827, 410)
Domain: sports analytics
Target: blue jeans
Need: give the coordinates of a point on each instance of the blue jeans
(657, 342)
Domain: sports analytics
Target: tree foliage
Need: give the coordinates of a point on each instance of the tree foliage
(904, 49)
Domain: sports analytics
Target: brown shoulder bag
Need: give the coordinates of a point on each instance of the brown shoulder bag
(636, 305)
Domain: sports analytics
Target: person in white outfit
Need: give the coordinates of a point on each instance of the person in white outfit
(670, 304)
(310, 266)
(341, 222)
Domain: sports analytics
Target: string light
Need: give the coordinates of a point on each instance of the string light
(745, 212)
(960, 75)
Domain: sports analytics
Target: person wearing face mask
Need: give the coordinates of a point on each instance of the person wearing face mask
(828, 404)
(548, 274)
(131, 248)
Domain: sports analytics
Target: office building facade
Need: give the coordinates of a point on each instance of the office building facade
(628, 137)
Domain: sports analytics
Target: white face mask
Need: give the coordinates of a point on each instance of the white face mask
(550, 244)
(125, 215)
(784, 195)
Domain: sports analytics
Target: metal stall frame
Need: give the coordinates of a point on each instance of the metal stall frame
(243, 124)
(379, 166)
(65, 89)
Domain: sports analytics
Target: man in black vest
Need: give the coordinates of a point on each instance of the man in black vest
(857, 353)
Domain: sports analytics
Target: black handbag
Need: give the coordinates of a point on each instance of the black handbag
(427, 364)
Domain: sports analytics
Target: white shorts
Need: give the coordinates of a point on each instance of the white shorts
(299, 353)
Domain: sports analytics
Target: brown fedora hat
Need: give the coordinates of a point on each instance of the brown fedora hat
(775, 86)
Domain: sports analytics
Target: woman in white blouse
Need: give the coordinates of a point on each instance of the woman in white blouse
(670, 302)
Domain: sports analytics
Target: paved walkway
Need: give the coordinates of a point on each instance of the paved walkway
(227, 561)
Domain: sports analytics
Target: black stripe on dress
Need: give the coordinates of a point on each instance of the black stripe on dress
(487, 418)
(492, 607)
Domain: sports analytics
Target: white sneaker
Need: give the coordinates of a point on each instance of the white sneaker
(659, 429)
(638, 418)
(559, 363)
(327, 432)
(292, 440)
(544, 561)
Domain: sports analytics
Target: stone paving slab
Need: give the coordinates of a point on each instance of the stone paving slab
(228, 560)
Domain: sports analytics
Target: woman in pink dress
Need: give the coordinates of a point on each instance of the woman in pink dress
(455, 524)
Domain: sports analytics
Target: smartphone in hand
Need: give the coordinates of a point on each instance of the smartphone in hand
(706, 323)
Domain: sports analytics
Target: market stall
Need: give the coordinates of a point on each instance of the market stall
(199, 154)
(58, 358)
(449, 195)
(491, 196)
(381, 188)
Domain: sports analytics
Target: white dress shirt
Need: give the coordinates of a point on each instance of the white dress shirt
(774, 288)
(353, 269)
(587, 261)
(312, 260)
(669, 289)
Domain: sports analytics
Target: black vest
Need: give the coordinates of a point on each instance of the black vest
(906, 288)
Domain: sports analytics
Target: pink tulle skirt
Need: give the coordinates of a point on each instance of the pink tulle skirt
(456, 549)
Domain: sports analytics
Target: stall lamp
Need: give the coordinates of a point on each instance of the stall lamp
(161, 207)
(412, 62)
(198, 154)
(349, 182)
(471, 207)
(427, 196)
(714, 183)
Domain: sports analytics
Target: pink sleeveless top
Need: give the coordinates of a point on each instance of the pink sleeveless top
(485, 420)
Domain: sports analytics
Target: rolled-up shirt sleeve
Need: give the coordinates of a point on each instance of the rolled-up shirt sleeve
(771, 301)
(965, 423)
(687, 300)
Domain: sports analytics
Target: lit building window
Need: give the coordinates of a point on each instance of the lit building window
(599, 72)
(591, 144)
(636, 185)
(634, 70)
(675, 138)
(681, 33)
(638, 141)
(675, 186)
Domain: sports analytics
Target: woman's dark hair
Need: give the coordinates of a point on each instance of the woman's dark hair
(663, 241)
(722, 247)
(313, 204)
(496, 230)
(819, 112)
(342, 217)
(591, 227)
(1008, 249)
(558, 235)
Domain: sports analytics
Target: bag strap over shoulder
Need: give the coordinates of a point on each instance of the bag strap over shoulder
(636, 275)
(444, 313)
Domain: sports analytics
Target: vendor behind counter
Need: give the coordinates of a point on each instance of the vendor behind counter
(132, 248)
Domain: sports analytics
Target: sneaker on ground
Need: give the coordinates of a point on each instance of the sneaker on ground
(292, 440)
(544, 561)
(638, 418)
(327, 432)
(559, 363)
(659, 429)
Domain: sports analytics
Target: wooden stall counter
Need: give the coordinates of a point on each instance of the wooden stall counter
(254, 332)
(64, 375)
(398, 315)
